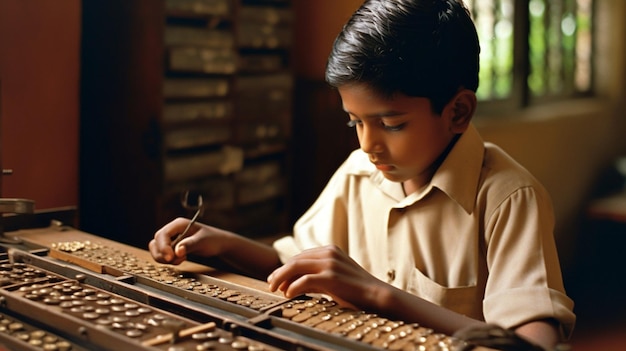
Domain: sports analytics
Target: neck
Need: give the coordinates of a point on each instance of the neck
(412, 185)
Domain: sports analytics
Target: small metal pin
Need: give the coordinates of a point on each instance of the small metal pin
(199, 207)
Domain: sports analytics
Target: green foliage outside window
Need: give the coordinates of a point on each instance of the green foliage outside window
(555, 59)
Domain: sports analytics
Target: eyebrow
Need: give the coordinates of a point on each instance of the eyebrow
(386, 114)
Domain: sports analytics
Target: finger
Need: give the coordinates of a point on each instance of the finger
(287, 287)
(304, 284)
(191, 243)
(155, 252)
(178, 259)
(283, 277)
(310, 260)
(180, 250)
(277, 278)
(160, 246)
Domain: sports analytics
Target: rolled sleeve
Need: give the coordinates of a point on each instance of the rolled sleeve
(286, 248)
(539, 303)
(524, 283)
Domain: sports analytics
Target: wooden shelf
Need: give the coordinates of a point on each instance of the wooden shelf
(182, 95)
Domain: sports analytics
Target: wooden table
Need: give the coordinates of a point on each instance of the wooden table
(46, 237)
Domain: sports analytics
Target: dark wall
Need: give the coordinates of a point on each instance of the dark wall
(322, 141)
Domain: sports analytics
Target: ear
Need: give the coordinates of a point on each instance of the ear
(460, 110)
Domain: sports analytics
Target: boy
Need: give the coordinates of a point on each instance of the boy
(425, 222)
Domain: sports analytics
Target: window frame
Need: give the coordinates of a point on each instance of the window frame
(520, 97)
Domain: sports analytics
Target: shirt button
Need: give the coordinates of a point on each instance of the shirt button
(391, 275)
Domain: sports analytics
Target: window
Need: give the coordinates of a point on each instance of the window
(533, 51)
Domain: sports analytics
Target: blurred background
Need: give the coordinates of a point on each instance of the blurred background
(114, 108)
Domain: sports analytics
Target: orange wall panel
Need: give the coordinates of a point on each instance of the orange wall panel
(39, 77)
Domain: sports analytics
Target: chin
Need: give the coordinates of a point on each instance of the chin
(394, 177)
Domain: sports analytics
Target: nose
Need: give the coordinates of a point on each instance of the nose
(369, 139)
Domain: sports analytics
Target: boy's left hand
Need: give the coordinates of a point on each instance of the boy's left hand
(327, 270)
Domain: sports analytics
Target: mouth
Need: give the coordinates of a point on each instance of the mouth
(383, 167)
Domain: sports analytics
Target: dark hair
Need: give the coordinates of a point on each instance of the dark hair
(426, 48)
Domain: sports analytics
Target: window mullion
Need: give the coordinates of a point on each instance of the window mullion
(521, 64)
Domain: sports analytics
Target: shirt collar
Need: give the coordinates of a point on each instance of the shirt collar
(459, 173)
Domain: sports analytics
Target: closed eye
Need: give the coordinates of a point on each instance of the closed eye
(393, 128)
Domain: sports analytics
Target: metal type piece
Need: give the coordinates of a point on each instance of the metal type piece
(98, 258)
(18, 335)
(91, 314)
(381, 333)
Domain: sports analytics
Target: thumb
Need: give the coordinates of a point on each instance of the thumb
(180, 254)
(181, 249)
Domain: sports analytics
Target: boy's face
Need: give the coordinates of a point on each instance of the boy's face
(402, 135)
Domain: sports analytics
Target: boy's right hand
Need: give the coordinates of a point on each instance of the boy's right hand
(204, 240)
(243, 254)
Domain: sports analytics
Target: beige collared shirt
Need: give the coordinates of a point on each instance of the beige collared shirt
(478, 239)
